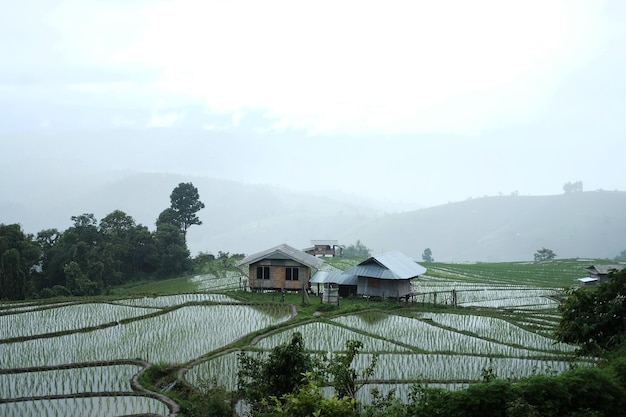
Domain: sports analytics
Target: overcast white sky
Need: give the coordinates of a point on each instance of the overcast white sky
(411, 102)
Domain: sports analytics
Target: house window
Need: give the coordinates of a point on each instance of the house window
(291, 274)
(262, 272)
(373, 283)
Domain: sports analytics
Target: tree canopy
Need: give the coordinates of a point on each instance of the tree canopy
(185, 202)
(595, 319)
(544, 254)
(19, 255)
(290, 379)
(358, 250)
(90, 256)
(427, 256)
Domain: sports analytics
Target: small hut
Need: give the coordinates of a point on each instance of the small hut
(281, 267)
(386, 276)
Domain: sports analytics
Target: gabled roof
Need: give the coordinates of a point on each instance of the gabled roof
(604, 269)
(284, 251)
(390, 265)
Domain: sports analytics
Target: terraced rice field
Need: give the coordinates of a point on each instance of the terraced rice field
(501, 322)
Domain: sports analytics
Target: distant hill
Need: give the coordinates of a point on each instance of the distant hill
(242, 218)
(584, 224)
(246, 218)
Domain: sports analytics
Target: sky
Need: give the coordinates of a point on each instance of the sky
(410, 103)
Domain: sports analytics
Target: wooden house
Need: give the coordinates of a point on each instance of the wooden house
(325, 248)
(601, 272)
(280, 268)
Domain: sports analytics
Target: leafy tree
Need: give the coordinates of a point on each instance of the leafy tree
(308, 400)
(168, 216)
(213, 400)
(358, 250)
(344, 376)
(77, 282)
(621, 256)
(171, 247)
(573, 187)
(20, 264)
(185, 202)
(12, 278)
(281, 373)
(544, 254)
(595, 320)
(427, 256)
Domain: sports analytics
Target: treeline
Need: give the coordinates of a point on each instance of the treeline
(91, 256)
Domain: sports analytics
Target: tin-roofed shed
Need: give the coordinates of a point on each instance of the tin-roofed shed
(387, 276)
(345, 282)
(281, 267)
(601, 272)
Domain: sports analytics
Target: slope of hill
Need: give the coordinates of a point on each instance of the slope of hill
(238, 217)
(584, 224)
(246, 218)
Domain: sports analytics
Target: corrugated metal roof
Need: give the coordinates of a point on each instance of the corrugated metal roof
(604, 269)
(284, 251)
(390, 265)
(325, 277)
(334, 277)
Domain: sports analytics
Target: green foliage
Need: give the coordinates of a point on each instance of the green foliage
(383, 405)
(214, 400)
(544, 254)
(12, 278)
(308, 401)
(427, 255)
(595, 320)
(77, 282)
(558, 273)
(593, 389)
(185, 202)
(584, 391)
(545, 395)
(19, 254)
(358, 250)
(343, 376)
(281, 373)
(172, 250)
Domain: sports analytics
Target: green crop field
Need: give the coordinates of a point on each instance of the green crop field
(79, 356)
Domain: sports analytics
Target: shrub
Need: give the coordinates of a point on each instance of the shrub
(60, 291)
(595, 390)
(548, 395)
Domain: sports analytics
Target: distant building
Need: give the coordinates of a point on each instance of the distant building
(386, 276)
(325, 248)
(601, 272)
(280, 268)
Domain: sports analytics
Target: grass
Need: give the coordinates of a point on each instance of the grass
(561, 273)
(168, 286)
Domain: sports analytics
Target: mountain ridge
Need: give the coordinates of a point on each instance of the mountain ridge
(506, 228)
(246, 218)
